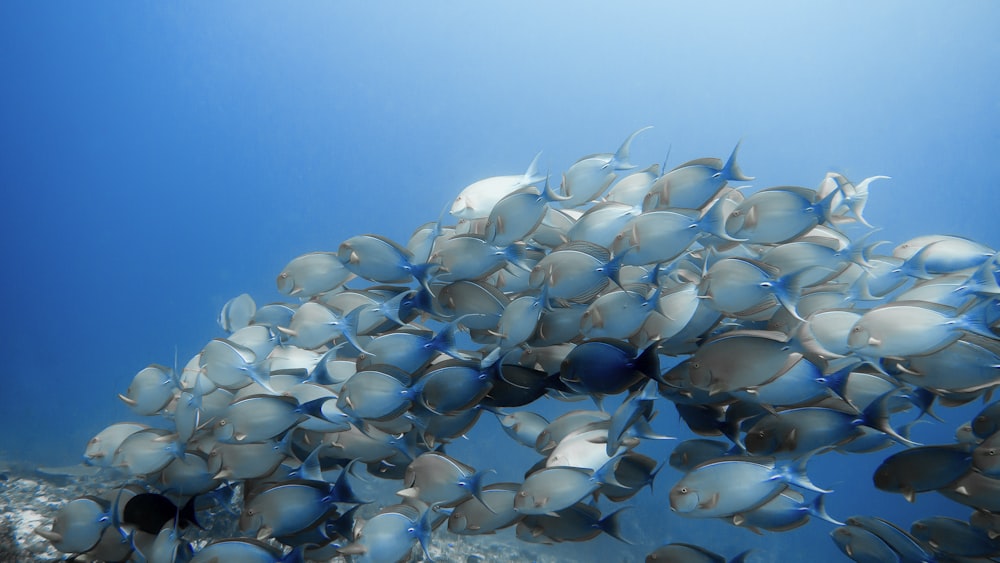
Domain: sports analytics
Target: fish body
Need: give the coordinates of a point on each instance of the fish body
(727, 486)
(921, 469)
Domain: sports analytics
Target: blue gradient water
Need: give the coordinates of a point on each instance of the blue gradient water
(157, 159)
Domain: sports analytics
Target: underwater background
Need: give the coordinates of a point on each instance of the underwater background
(158, 159)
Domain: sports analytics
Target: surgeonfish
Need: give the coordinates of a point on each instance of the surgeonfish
(692, 184)
(312, 274)
(78, 525)
(478, 199)
(862, 545)
(921, 469)
(730, 485)
(435, 478)
(769, 317)
(955, 537)
(150, 391)
(390, 535)
(590, 176)
(689, 553)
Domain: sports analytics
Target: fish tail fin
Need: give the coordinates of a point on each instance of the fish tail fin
(350, 331)
(876, 415)
(475, 483)
(795, 473)
(422, 531)
(817, 508)
(606, 473)
(973, 318)
(621, 159)
(923, 400)
(648, 361)
(187, 513)
(551, 195)
(860, 198)
(713, 220)
(516, 254)
(731, 171)
(531, 175)
(611, 525)
(261, 375)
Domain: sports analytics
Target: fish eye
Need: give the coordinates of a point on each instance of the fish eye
(683, 490)
(991, 451)
(696, 365)
(222, 422)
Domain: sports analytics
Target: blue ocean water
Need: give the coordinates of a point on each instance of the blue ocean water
(158, 159)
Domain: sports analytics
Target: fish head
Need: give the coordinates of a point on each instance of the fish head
(859, 337)
(462, 208)
(765, 439)
(684, 498)
(886, 479)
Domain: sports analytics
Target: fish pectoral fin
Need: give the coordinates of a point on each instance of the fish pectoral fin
(710, 503)
(411, 492)
(353, 549)
(792, 440)
(49, 534)
(287, 331)
(910, 495)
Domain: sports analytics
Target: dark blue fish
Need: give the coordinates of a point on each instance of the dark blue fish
(150, 511)
(606, 366)
(926, 468)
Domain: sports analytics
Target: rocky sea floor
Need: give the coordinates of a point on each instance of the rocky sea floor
(30, 497)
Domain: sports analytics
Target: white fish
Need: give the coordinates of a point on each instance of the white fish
(477, 200)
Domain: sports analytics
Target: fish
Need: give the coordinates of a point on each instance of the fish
(78, 525)
(692, 184)
(787, 511)
(149, 512)
(150, 391)
(308, 275)
(922, 469)
(557, 487)
(587, 178)
(494, 512)
(477, 200)
(607, 366)
(689, 553)
(244, 549)
(389, 536)
(726, 486)
(862, 546)
(767, 315)
(901, 542)
(954, 537)
(434, 478)
(577, 523)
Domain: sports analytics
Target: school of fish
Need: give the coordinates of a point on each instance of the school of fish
(770, 319)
